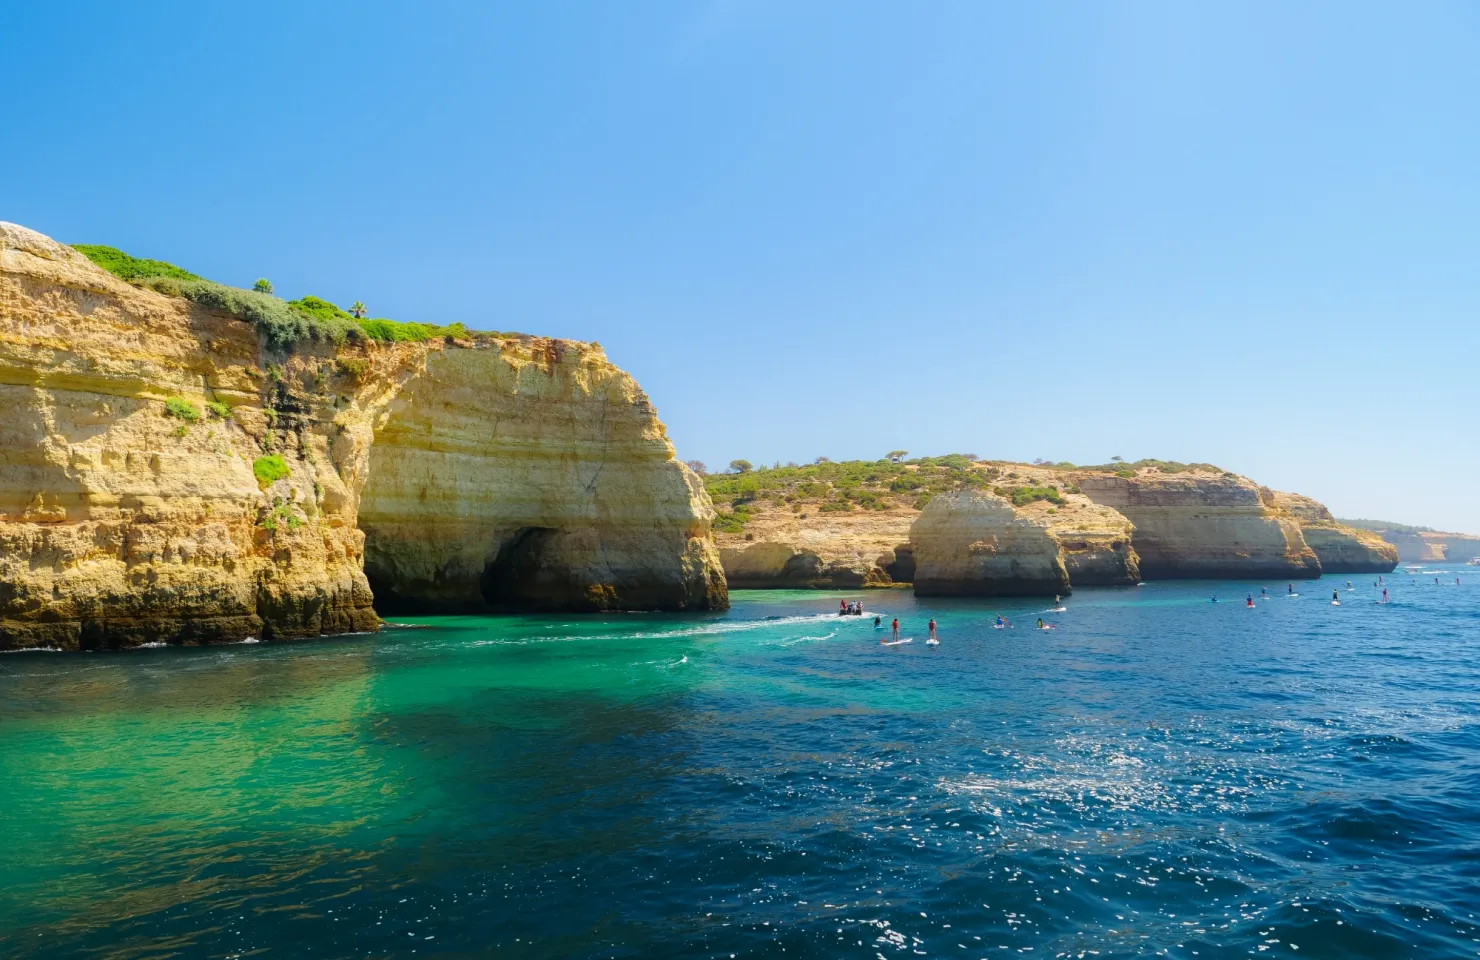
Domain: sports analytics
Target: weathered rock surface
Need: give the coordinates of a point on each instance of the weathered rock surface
(1097, 541)
(1430, 546)
(511, 479)
(1341, 549)
(121, 525)
(1201, 524)
(842, 550)
(975, 543)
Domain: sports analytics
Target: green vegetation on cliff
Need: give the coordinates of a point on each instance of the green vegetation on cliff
(269, 469)
(1129, 468)
(282, 323)
(1384, 525)
(850, 485)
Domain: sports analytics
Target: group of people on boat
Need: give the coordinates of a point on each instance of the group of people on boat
(850, 608)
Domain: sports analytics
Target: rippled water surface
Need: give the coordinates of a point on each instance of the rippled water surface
(1159, 774)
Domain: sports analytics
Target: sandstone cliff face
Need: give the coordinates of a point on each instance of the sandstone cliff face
(1341, 549)
(510, 479)
(819, 550)
(974, 543)
(1201, 524)
(1097, 541)
(121, 525)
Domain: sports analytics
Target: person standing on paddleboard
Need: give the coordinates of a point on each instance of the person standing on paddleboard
(894, 628)
(932, 629)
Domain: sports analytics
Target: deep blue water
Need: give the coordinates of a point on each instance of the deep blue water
(1158, 775)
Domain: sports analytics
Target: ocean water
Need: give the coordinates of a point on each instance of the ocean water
(1159, 775)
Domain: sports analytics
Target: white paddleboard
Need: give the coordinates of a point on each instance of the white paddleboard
(1335, 603)
(895, 643)
(932, 643)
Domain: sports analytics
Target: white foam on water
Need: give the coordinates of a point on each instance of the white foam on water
(35, 650)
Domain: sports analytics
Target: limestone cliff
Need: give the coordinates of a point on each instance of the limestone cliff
(164, 475)
(1203, 523)
(974, 543)
(819, 550)
(1097, 541)
(1341, 549)
(509, 478)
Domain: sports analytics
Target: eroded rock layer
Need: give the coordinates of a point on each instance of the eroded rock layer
(974, 543)
(1203, 524)
(1341, 549)
(819, 550)
(506, 479)
(1096, 541)
(122, 523)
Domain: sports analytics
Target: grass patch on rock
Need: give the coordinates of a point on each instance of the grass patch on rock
(269, 469)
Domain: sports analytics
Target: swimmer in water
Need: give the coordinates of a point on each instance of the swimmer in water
(878, 622)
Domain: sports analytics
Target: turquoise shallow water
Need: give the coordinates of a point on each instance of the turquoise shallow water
(1157, 775)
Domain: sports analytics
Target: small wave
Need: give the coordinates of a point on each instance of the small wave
(152, 645)
(35, 650)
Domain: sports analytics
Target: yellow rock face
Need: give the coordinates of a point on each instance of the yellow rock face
(1342, 549)
(532, 476)
(1200, 524)
(121, 524)
(820, 550)
(974, 543)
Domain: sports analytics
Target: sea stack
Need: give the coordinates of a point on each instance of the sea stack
(974, 543)
(169, 471)
(1204, 524)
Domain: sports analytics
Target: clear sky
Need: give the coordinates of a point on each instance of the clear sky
(1245, 233)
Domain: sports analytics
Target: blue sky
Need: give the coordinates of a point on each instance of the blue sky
(1244, 233)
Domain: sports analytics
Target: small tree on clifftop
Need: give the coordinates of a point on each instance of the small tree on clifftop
(897, 455)
(741, 466)
(697, 466)
(263, 285)
(358, 309)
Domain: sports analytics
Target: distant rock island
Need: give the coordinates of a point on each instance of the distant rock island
(962, 525)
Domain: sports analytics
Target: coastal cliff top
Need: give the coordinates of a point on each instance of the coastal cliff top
(283, 325)
(795, 502)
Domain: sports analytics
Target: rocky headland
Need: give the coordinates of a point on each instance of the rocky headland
(835, 525)
(186, 462)
(1201, 523)
(1341, 549)
(1421, 544)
